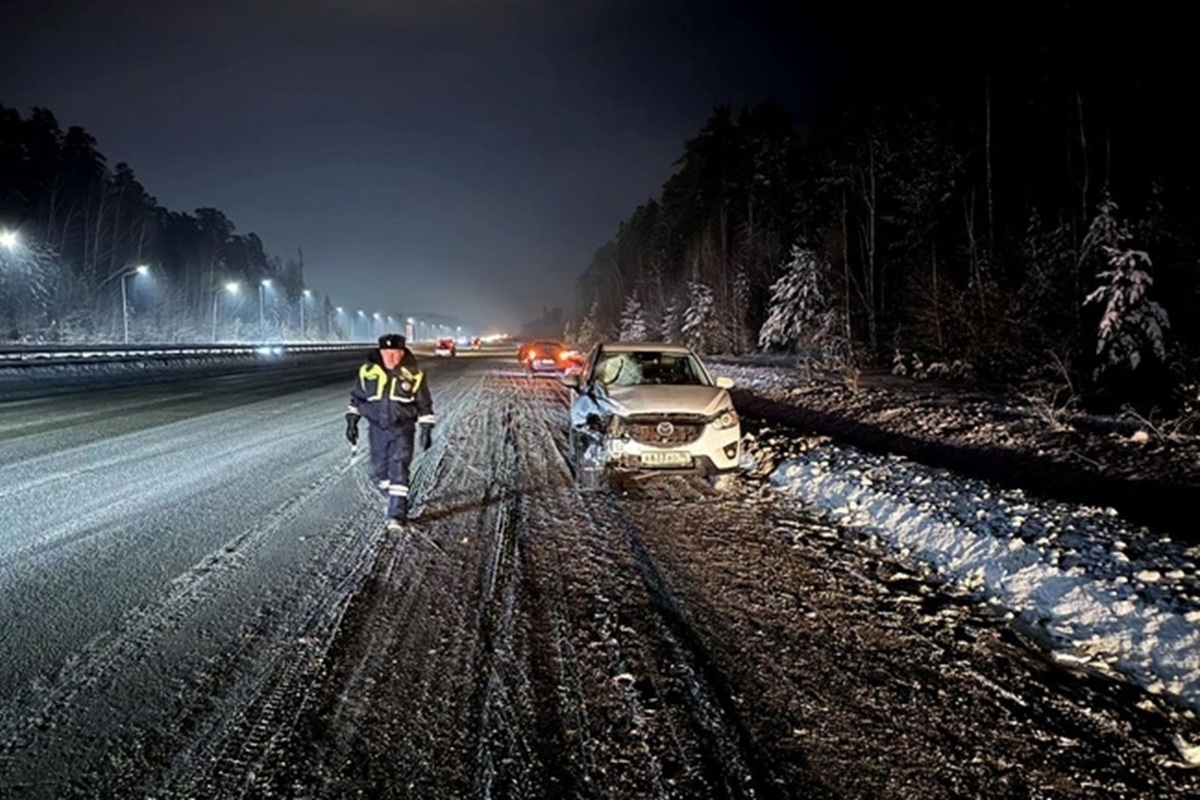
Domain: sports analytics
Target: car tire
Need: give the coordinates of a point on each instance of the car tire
(588, 477)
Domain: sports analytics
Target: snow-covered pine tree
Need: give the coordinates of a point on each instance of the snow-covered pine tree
(1132, 323)
(633, 321)
(697, 319)
(799, 312)
(589, 328)
(1105, 231)
(670, 321)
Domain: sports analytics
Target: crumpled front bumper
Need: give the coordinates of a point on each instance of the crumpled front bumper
(715, 451)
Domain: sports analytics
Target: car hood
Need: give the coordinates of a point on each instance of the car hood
(707, 400)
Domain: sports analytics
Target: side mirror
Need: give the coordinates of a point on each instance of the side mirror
(724, 382)
(571, 381)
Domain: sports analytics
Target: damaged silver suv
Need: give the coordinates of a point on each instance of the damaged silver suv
(642, 408)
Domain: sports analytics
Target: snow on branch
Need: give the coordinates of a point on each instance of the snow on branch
(1131, 323)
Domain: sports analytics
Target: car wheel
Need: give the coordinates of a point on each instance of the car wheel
(588, 475)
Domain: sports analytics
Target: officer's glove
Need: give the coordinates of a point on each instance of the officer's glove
(352, 428)
(426, 435)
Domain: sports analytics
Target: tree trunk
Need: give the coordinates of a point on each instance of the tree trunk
(845, 264)
(937, 303)
(988, 151)
(1083, 146)
(973, 248)
(871, 281)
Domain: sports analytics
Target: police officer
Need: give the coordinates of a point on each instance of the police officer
(392, 393)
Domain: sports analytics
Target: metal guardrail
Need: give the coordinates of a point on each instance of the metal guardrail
(35, 354)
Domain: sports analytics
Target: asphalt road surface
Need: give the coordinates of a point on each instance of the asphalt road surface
(198, 599)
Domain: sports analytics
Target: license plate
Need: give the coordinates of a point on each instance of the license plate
(546, 362)
(666, 458)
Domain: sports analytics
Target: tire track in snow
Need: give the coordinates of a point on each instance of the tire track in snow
(656, 748)
(230, 758)
(397, 709)
(506, 646)
(28, 722)
(246, 750)
(733, 768)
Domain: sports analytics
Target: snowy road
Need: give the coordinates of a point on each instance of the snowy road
(197, 599)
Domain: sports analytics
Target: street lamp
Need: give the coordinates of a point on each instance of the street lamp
(140, 269)
(303, 297)
(365, 323)
(262, 325)
(231, 287)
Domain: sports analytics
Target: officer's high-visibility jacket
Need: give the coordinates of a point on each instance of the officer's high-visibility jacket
(392, 399)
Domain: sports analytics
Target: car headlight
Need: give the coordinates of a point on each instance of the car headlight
(726, 419)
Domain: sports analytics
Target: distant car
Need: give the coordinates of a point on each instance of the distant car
(646, 407)
(573, 361)
(477, 343)
(445, 347)
(544, 355)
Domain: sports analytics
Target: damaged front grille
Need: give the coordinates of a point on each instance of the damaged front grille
(665, 431)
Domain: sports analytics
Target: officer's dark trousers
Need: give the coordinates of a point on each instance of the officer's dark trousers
(391, 455)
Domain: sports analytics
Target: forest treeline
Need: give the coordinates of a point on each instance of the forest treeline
(75, 229)
(1018, 207)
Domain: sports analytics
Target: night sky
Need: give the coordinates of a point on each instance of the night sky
(462, 157)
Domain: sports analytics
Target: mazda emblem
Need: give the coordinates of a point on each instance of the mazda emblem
(665, 429)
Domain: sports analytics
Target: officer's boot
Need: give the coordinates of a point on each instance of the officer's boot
(397, 510)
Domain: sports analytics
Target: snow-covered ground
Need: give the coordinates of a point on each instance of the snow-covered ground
(1101, 594)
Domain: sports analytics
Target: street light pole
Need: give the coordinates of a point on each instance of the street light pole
(121, 275)
(303, 297)
(232, 288)
(125, 308)
(262, 323)
(141, 269)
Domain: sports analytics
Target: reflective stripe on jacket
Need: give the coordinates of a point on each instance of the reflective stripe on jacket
(401, 386)
(392, 398)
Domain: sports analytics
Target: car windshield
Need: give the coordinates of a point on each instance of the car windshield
(649, 368)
